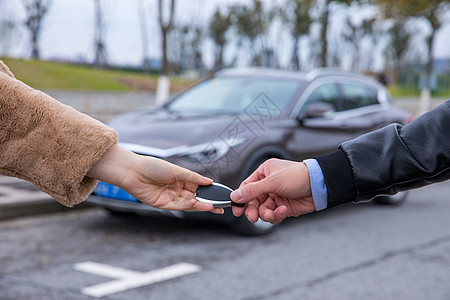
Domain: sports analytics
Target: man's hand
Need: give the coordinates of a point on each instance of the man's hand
(153, 181)
(276, 190)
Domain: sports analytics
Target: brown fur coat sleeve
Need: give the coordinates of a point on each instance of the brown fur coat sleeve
(47, 143)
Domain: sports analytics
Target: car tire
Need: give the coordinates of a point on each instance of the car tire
(245, 227)
(396, 199)
(119, 213)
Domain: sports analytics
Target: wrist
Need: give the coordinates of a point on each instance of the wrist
(114, 166)
(318, 189)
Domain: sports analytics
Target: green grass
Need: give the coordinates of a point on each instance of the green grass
(64, 76)
(53, 75)
(398, 91)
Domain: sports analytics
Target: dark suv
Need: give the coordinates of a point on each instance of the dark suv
(225, 126)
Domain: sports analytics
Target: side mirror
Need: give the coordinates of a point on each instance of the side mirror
(318, 110)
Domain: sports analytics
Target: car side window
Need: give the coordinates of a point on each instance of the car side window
(326, 93)
(356, 96)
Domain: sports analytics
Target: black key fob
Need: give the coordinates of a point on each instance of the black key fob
(216, 194)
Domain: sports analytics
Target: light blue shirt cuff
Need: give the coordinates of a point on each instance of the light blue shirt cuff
(318, 187)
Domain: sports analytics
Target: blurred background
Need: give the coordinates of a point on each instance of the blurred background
(403, 43)
(105, 57)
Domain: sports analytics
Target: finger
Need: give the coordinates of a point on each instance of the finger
(237, 211)
(218, 211)
(251, 211)
(252, 191)
(203, 180)
(199, 206)
(266, 215)
(188, 176)
(190, 205)
(279, 214)
(270, 211)
(273, 216)
(194, 205)
(257, 175)
(266, 209)
(236, 195)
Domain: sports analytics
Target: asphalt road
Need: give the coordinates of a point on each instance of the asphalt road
(350, 252)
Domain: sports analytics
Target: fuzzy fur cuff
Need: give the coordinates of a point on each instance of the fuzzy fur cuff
(48, 143)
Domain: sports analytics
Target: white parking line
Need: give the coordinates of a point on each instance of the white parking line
(105, 270)
(128, 279)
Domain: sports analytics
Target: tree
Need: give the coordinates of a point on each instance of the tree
(430, 10)
(8, 26)
(297, 16)
(252, 23)
(185, 51)
(398, 45)
(7, 29)
(324, 7)
(165, 27)
(196, 43)
(144, 35)
(355, 35)
(217, 29)
(101, 58)
(35, 12)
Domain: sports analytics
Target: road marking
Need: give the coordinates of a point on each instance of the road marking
(128, 279)
(105, 270)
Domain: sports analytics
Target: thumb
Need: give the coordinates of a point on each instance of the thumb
(186, 175)
(252, 191)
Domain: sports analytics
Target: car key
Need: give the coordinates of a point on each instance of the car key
(216, 194)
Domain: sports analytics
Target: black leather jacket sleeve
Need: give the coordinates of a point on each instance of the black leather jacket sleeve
(394, 158)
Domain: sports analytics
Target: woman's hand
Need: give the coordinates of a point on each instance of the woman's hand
(153, 181)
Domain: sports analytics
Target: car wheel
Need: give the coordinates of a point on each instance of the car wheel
(245, 227)
(119, 213)
(391, 200)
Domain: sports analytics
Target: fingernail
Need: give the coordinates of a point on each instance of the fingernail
(221, 212)
(236, 195)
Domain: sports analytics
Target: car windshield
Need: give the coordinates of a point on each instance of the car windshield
(234, 95)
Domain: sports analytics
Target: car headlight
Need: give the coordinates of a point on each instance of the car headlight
(212, 151)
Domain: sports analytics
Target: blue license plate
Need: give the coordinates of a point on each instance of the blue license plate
(110, 191)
